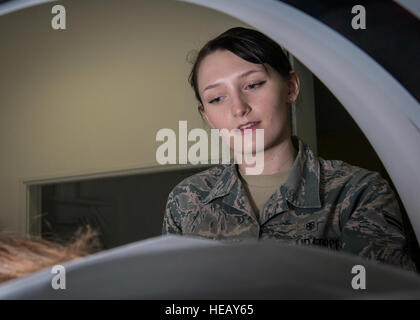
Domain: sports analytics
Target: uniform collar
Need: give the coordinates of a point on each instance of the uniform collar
(301, 188)
(228, 178)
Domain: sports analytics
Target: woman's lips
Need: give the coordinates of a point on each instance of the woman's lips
(254, 126)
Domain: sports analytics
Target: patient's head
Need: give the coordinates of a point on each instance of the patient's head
(21, 256)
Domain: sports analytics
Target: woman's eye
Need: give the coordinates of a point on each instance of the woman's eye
(255, 85)
(215, 100)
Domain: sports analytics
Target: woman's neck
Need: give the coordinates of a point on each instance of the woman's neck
(278, 158)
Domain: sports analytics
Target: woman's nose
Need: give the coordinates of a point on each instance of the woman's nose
(240, 106)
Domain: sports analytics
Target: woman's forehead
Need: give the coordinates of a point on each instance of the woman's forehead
(222, 66)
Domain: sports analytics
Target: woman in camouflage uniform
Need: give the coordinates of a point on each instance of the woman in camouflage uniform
(243, 80)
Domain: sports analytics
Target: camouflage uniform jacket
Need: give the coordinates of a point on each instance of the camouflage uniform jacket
(326, 203)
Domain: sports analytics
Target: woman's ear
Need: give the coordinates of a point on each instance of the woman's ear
(293, 84)
(204, 115)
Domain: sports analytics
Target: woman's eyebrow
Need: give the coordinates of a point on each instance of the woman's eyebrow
(241, 76)
(248, 72)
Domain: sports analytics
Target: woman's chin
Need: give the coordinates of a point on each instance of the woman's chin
(251, 150)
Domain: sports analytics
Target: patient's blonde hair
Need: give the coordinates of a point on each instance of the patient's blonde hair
(20, 256)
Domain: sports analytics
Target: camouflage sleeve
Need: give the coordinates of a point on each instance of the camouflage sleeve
(373, 227)
(171, 219)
